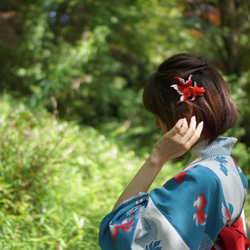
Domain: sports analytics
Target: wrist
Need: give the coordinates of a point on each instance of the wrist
(154, 162)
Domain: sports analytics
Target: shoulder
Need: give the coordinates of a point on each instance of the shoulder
(199, 177)
(216, 179)
(187, 186)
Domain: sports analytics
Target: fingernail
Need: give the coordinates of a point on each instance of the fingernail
(202, 123)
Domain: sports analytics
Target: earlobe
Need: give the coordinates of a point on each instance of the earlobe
(160, 124)
(157, 123)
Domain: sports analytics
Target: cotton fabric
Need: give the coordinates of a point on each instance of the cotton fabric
(189, 211)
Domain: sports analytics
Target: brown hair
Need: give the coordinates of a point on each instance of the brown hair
(215, 107)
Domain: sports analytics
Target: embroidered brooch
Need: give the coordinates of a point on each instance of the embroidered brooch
(186, 89)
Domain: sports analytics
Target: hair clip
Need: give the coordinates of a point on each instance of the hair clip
(186, 89)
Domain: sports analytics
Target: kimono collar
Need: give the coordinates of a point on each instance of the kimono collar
(203, 150)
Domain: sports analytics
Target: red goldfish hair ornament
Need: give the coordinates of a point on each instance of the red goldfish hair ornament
(186, 89)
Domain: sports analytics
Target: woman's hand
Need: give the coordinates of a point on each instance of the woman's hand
(177, 141)
(173, 144)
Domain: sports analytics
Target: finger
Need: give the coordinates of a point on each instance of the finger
(184, 126)
(196, 136)
(183, 129)
(176, 127)
(192, 127)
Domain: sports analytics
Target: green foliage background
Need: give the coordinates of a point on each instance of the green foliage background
(73, 128)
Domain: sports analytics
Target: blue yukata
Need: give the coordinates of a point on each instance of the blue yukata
(188, 212)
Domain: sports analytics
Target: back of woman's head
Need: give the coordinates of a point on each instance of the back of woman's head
(215, 107)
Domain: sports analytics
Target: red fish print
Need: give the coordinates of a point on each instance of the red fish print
(125, 227)
(180, 177)
(200, 216)
(186, 89)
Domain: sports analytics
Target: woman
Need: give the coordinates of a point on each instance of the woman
(201, 207)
